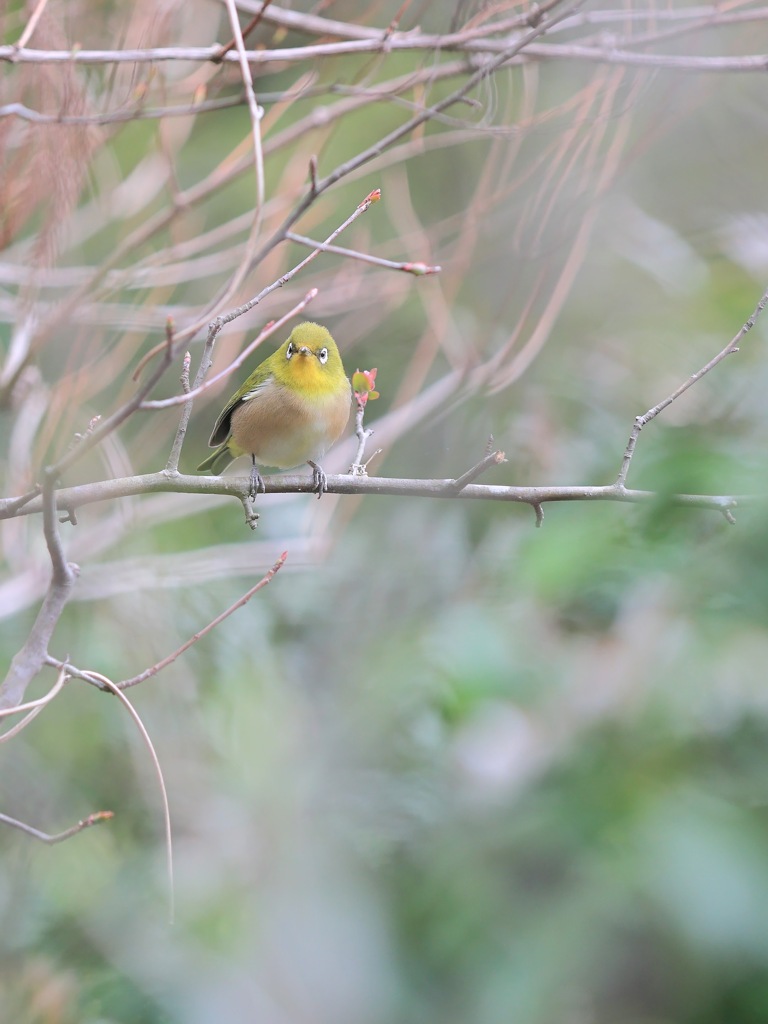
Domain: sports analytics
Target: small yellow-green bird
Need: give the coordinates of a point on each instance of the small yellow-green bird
(291, 409)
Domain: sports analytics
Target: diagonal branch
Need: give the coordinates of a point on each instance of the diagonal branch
(164, 662)
(640, 421)
(57, 837)
(28, 662)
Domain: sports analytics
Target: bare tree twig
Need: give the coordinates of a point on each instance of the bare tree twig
(253, 108)
(163, 663)
(641, 421)
(58, 837)
(31, 25)
(493, 459)
(358, 467)
(112, 687)
(32, 708)
(417, 269)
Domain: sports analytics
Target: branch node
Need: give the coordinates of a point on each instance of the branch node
(729, 516)
(251, 515)
(69, 516)
(493, 459)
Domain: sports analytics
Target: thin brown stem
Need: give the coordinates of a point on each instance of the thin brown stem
(164, 662)
(652, 413)
(57, 837)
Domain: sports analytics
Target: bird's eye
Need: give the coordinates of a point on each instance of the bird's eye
(322, 355)
(290, 350)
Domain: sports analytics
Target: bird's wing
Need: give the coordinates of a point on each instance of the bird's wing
(221, 430)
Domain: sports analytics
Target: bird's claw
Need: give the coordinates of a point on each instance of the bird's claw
(319, 479)
(257, 484)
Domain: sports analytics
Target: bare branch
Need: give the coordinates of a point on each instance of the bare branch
(160, 665)
(31, 25)
(493, 459)
(299, 54)
(28, 662)
(417, 269)
(107, 682)
(238, 487)
(58, 837)
(32, 708)
(253, 107)
(641, 421)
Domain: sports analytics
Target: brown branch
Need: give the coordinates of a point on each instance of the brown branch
(58, 837)
(417, 269)
(160, 665)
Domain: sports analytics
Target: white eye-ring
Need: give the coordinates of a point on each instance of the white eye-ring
(322, 355)
(290, 350)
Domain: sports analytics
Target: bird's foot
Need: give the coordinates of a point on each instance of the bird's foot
(319, 479)
(257, 483)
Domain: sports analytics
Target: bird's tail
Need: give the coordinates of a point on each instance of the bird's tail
(218, 460)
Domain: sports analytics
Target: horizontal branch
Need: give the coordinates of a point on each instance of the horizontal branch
(482, 48)
(71, 498)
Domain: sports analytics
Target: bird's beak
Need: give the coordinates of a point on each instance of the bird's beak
(304, 351)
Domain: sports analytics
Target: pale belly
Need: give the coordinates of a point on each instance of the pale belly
(283, 433)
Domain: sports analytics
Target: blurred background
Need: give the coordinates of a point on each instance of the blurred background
(446, 766)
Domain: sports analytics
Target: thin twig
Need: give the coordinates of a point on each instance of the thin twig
(31, 25)
(106, 681)
(641, 421)
(358, 467)
(58, 837)
(494, 459)
(417, 269)
(32, 708)
(164, 662)
(253, 108)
